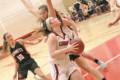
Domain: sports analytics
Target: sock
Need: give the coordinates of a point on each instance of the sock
(113, 14)
(96, 61)
(103, 79)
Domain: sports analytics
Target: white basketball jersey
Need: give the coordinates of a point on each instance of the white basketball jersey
(111, 2)
(69, 31)
(118, 3)
(62, 43)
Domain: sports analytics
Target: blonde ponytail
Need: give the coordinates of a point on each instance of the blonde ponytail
(38, 30)
(5, 46)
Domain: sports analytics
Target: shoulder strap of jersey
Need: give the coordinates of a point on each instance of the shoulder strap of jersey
(55, 33)
(69, 27)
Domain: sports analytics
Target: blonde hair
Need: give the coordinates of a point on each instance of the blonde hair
(38, 29)
(42, 30)
(41, 21)
(5, 46)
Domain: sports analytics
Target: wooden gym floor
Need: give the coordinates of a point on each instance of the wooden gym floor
(100, 41)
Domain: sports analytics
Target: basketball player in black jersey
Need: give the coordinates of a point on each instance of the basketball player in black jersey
(23, 61)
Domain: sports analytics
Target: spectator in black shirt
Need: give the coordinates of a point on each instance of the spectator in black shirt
(97, 6)
(90, 8)
(103, 5)
(84, 2)
(76, 5)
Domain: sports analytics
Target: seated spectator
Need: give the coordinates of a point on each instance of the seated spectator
(84, 2)
(97, 6)
(105, 3)
(93, 1)
(88, 9)
(103, 6)
(85, 10)
(74, 16)
(76, 5)
(91, 8)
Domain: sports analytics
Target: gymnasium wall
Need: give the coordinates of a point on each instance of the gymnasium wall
(18, 21)
(67, 3)
(19, 25)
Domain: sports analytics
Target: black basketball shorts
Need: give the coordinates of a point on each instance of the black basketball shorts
(23, 68)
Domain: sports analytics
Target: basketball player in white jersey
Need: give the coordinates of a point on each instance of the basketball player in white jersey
(113, 7)
(60, 66)
(42, 15)
(117, 18)
(54, 52)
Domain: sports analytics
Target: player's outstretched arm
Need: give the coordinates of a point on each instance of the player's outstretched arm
(22, 41)
(31, 9)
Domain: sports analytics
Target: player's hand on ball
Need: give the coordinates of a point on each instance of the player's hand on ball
(80, 46)
(72, 47)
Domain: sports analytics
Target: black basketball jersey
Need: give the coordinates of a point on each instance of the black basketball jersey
(76, 6)
(20, 53)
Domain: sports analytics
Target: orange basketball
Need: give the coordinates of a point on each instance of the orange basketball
(80, 46)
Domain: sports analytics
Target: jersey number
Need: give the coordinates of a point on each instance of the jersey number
(20, 57)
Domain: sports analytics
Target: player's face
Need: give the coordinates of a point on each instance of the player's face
(43, 14)
(8, 38)
(54, 22)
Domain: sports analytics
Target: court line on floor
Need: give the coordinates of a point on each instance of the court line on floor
(105, 62)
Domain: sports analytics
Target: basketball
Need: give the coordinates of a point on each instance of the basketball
(80, 46)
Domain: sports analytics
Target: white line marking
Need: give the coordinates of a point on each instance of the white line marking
(105, 62)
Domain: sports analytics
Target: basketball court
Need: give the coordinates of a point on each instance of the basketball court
(100, 41)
